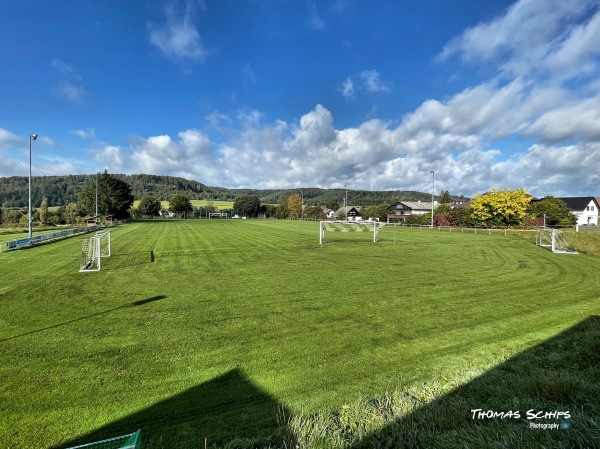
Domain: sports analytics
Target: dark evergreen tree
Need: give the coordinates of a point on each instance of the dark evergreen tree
(445, 197)
(114, 197)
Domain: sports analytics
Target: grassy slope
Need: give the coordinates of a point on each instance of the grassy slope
(312, 327)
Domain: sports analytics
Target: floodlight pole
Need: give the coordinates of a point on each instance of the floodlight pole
(346, 202)
(29, 216)
(432, 194)
(96, 199)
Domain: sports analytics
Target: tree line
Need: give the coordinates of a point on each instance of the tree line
(62, 190)
(106, 194)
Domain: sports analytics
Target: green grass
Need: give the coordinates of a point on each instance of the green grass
(237, 319)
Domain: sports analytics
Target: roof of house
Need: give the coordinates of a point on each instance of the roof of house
(415, 205)
(578, 202)
(346, 209)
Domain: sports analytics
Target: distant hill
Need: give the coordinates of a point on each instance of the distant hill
(61, 190)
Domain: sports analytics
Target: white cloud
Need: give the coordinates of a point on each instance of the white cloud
(532, 124)
(112, 156)
(534, 36)
(347, 88)
(71, 92)
(248, 75)
(178, 38)
(7, 139)
(84, 134)
(372, 81)
(314, 19)
(366, 81)
(188, 156)
(574, 120)
(65, 69)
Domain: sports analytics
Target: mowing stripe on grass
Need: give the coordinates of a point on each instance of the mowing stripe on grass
(255, 308)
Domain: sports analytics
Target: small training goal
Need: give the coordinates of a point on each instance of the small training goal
(349, 226)
(93, 249)
(555, 240)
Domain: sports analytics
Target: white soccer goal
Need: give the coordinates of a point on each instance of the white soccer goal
(555, 240)
(93, 249)
(349, 226)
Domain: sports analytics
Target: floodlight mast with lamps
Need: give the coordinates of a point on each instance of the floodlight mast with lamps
(29, 216)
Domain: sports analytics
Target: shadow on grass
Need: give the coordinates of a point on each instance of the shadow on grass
(554, 388)
(211, 413)
(557, 382)
(104, 312)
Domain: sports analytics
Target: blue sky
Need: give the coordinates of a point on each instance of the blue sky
(298, 93)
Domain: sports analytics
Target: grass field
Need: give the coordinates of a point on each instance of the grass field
(238, 322)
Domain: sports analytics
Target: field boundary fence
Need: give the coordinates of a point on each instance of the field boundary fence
(40, 238)
(526, 233)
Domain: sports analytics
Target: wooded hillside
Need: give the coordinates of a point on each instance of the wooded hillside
(61, 190)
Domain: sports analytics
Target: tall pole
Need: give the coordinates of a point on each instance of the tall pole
(346, 202)
(432, 194)
(30, 216)
(302, 206)
(96, 198)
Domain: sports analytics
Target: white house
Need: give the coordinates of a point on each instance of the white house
(584, 207)
(350, 212)
(402, 209)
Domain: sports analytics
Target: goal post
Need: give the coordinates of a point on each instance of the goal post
(555, 240)
(349, 226)
(93, 249)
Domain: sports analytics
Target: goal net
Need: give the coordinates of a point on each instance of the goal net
(93, 249)
(349, 226)
(129, 441)
(555, 240)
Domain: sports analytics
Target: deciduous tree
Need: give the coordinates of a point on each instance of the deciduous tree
(461, 216)
(314, 213)
(247, 205)
(380, 212)
(500, 207)
(180, 204)
(71, 213)
(556, 210)
(294, 205)
(44, 210)
(149, 205)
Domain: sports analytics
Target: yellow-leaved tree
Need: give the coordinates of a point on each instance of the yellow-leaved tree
(294, 205)
(500, 207)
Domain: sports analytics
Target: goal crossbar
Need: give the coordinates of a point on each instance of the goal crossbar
(349, 226)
